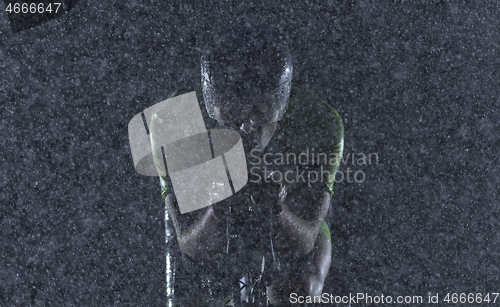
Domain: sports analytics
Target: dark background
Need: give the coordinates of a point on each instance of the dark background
(417, 83)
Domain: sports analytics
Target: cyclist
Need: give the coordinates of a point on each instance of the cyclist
(246, 86)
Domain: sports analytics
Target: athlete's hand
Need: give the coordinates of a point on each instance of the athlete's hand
(267, 194)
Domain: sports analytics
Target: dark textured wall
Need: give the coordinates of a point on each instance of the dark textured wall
(416, 83)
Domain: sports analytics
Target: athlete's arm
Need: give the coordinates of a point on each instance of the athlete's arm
(201, 235)
(296, 227)
(306, 280)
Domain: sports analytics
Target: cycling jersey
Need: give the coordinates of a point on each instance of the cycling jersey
(303, 155)
(305, 149)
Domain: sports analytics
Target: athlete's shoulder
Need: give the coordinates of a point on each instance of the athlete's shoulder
(310, 122)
